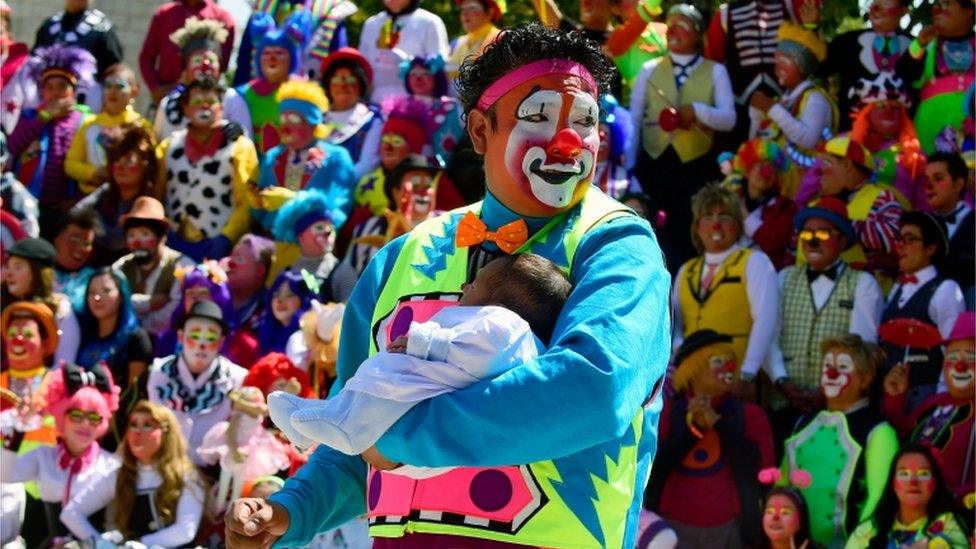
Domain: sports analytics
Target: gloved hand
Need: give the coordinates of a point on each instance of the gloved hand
(281, 405)
(648, 10)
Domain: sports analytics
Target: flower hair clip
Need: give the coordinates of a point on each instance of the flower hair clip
(798, 478)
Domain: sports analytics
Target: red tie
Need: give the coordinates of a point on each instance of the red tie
(907, 279)
(706, 281)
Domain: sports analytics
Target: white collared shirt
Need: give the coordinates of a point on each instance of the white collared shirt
(946, 304)
(41, 465)
(807, 130)
(962, 210)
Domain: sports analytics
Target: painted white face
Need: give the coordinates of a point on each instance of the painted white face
(838, 368)
(553, 160)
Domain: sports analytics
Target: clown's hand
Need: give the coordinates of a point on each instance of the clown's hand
(648, 10)
(927, 35)
(760, 101)
(274, 198)
(896, 382)
(373, 457)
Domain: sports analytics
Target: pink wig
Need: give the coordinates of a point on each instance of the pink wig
(72, 388)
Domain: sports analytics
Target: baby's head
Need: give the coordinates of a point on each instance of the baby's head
(529, 285)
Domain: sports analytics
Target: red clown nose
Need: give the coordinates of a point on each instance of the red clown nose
(833, 373)
(960, 366)
(565, 145)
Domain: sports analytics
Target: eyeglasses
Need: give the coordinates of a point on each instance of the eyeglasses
(339, 79)
(907, 239)
(393, 140)
(77, 416)
(146, 427)
(291, 118)
(821, 235)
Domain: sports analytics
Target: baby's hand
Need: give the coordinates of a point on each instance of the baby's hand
(398, 345)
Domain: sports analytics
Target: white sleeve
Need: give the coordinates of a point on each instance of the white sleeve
(946, 304)
(189, 510)
(637, 94)
(369, 157)
(763, 292)
(162, 126)
(808, 130)
(235, 110)
(22, 468)
(483, 342)
(70, 339)
(775, 365)
(94, 497)
(868, 304)
(367, 38)
(720, 117)
(440, 37)
(677, 323)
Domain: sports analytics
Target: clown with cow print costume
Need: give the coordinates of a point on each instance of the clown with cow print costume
(209, 166)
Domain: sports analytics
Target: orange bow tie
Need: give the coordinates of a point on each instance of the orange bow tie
(508, 238)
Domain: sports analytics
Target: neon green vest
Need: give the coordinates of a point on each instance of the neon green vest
(426, 277)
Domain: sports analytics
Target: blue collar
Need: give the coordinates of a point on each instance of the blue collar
(495, 214)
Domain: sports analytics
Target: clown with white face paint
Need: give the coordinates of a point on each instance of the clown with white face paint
(847, 448)
(943, 422)
(195, 382)
(531, 106)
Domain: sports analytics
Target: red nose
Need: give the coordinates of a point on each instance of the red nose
(729, 366)
(19, 339)
(766, 171)
(565, 145)
(833, 373)
(961, 366)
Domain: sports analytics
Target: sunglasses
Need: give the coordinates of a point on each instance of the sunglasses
(146, 427)
(77, 416)
(344, 79)
(393, 140)
(115, 84)
(821, 235)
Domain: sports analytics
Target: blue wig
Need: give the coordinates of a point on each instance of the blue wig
(113, 348)
(305, 203)
(293, 35)
(272, 335)
(616, 120)
(434, 64)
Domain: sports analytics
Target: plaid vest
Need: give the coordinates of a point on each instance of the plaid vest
(804, 327)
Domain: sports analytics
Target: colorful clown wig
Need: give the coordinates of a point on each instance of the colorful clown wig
(274, 367)
(272, 334)
(692, 358)
(308, 100)
(208, 275)
(199, 34)
(301, 211)
(759, 151)
(802, 45)
(291, 35)
(887, 88)
(72, 63)
(410, 119)
(72, 387)
(434, 65)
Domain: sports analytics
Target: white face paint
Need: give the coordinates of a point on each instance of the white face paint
(836, 373)
(552, 181)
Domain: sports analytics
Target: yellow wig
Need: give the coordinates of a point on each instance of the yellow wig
(309, 92)
(697, 362)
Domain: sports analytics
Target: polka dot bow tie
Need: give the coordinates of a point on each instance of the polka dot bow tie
(508, 237)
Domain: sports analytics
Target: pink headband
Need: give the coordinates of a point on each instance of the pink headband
(527, 72)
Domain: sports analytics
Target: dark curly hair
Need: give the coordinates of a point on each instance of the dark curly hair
(526, 44)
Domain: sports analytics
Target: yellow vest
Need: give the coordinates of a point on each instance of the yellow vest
(661, 93)
(724, 307)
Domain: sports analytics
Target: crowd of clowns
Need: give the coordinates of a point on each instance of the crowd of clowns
(173, 283)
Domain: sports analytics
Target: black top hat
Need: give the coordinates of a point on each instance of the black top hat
(699, 340)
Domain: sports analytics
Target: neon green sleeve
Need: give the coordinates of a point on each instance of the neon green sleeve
(882, 445)
(861, 537)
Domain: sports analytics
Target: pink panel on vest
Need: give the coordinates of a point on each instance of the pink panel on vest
(497, 493)
(413, 311)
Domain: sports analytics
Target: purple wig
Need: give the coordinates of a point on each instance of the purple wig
(210, 276)
(434, 64)
(70, 62)
(272, 335)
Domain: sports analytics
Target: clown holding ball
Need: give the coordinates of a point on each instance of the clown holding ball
(577, 467)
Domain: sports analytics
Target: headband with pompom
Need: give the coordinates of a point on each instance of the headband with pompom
(798, 478)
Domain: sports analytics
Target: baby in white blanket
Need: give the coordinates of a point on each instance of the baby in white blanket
(503, 314)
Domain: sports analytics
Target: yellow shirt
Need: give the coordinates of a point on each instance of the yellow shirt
(86, 154)
(472, 43)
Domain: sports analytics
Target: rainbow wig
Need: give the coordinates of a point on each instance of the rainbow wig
(758, 150)
(272, 335)
(71, 387)
(434, 64)
(910, 158)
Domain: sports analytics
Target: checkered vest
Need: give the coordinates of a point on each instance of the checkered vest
(804, 327)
